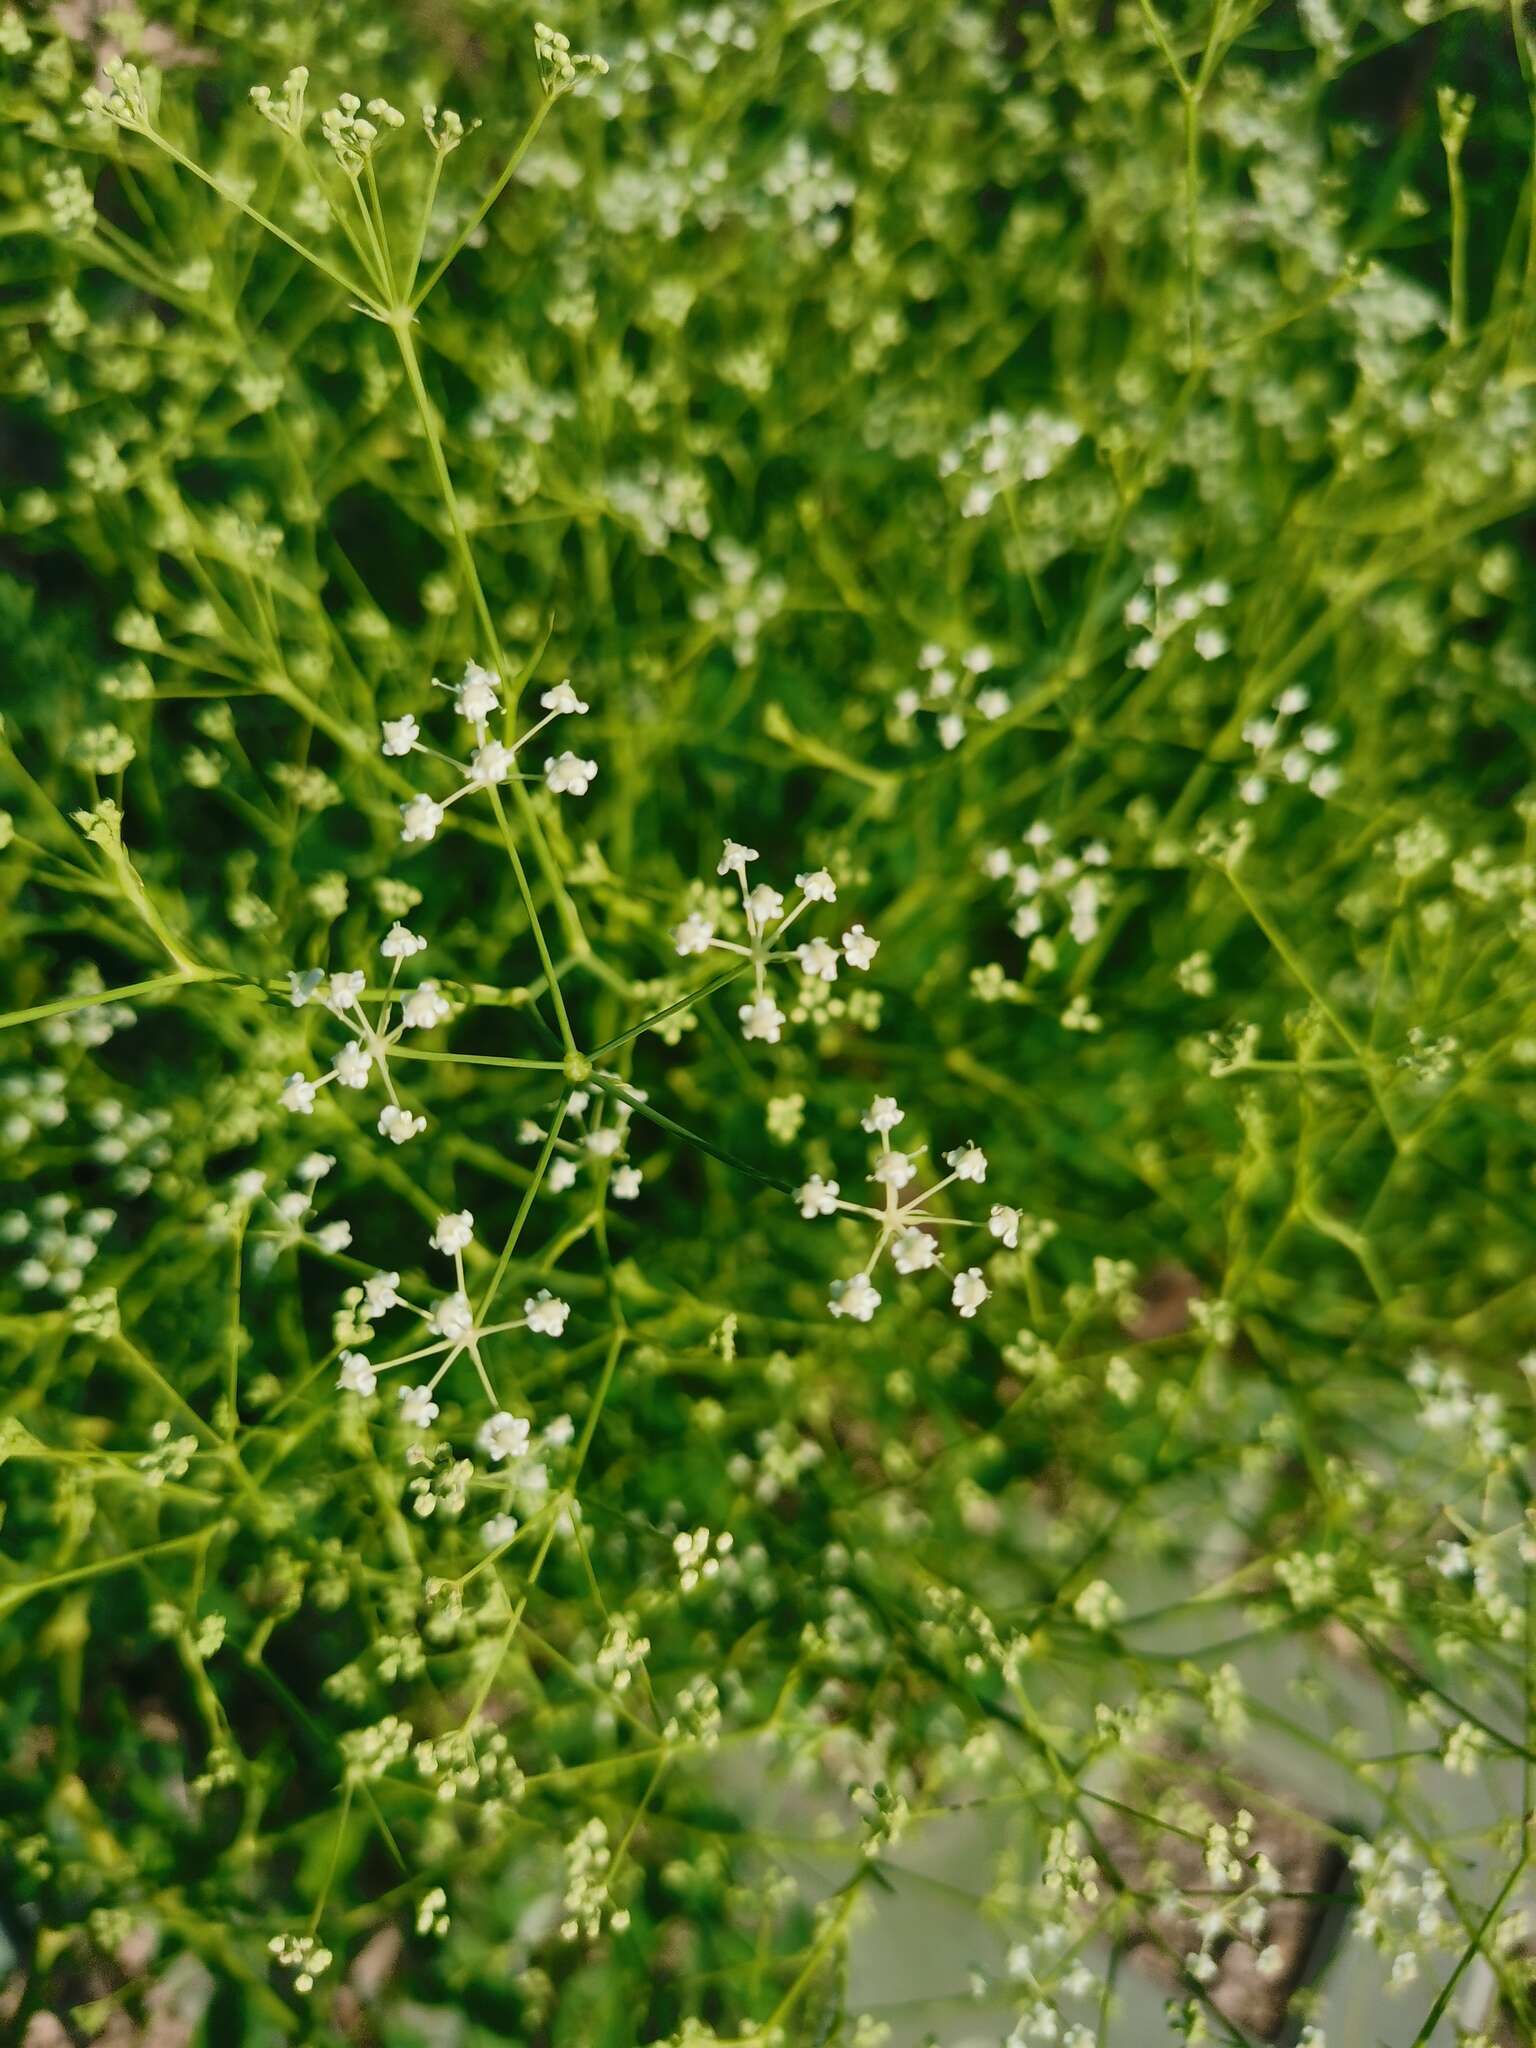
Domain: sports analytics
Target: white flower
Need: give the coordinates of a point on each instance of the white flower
(304, 988)
(625, 1184)
(951, 731)
(503, 1436)
(817, 887)
(567, 775)
(563, 700)
(818, 960)
(694, 935)
(353, 1065)
(993, 704)
(399, 944)
(883, 1114)
(400, 734)
(893, 1170)
(604, 1143)
(764, 904)
(1004, 1223)
(818, 1197)
(490, 763)
(334, 1237)
(424, 1007)
(546, 1313)
(475, 697)
(452, 1318)
(342, 990)
(298, 1096)
(357, 1375)
(857, 1297)
(859, 949)
(761, 1018)
(398, 1124)
(453, 1231)
(498, 1530)
(967, 1162)
(733, 860)
(417, 1407)
(420, 818)
(969, 1291)
(561, 1175)
(379, 1294)
(914, 1251)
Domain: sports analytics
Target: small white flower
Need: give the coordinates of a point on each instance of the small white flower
(914, 1251)
(453, 1231)
(818, 960)
(400, 735)
(733, 860)
(398, 1125)
(304, 988)
(298, 1096)
(694, 935)
(969, 1291)
(893, 1170)
(625, 1184)
(951, 731)
(817, 887)
(380, 1293)
(967, 1162)
(357, 1376)
(475, 697)
(604, 1143)
(546, 1313)
(993, 704)
(399, 944)
(883, 1114)
(503, 1436)
(334, 1237)
(857, 1297)
(764, 904)
(761, 1018)
(561, 1175)
(567, 775)
(424, 1007)
(342, 990)
(498, 1530)
(1004, 1224)
(420, 818)
(818, 1197)
(417, 1407)
(563, 700)
(859, 949)
(490, 764)
(452, 1318)
(353, 1065)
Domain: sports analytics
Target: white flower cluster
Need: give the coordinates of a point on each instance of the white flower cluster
(477, 698)
(1000, 452)
(342, 994)
(291, 1210)
(561, 67)
(1402, 1911)
(767, 921)
(907, 1226)
(599, 1143)
(1164, 608)
(951, 688)
(1281, 753)
(1071, 888)
(453, 1328)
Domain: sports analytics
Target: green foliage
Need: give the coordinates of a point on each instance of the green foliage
(1056, 483)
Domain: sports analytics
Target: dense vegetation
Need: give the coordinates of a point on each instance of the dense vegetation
(770, 1095)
